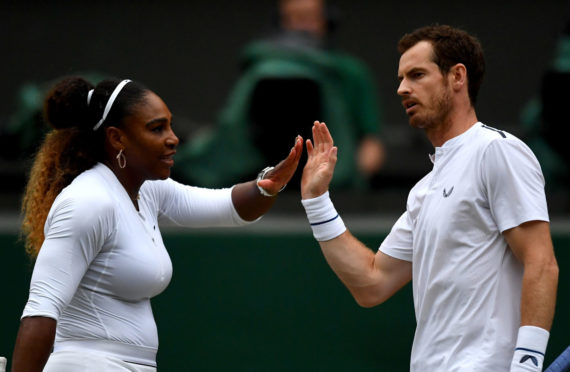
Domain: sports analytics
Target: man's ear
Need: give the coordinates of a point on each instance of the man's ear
(458, 76)
(116, 138)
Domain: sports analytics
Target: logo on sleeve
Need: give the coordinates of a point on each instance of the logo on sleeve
(527, 357)
(447, 193)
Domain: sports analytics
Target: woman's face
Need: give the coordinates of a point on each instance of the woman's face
(150, 142)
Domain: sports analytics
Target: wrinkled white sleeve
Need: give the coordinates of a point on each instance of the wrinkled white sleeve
(514, 183)
(399, 242)
(193, 206)
(75, 231)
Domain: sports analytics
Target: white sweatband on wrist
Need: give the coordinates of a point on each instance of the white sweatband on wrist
(530, 349)
(325, 221)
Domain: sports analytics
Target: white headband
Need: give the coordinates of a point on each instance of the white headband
(109, 102)
(89, 94)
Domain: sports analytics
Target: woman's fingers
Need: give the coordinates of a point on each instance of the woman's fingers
(294, 155)
(298, 148)
(283, 171)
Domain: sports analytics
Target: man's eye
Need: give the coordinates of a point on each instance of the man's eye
(157, 129)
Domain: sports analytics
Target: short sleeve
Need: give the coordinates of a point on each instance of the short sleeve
(399, 242)
(514, 183)
(75, 231)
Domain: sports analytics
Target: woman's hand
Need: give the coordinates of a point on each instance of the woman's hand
(322, 156)
(249, 201)
(279, 176)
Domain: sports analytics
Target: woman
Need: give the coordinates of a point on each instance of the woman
(103, 176)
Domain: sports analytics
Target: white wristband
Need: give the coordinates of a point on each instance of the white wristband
(530, 349)
(325, 221)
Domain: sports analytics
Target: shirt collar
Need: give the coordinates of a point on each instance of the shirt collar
(452, 142)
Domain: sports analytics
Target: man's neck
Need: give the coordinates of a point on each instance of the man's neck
(455, 124)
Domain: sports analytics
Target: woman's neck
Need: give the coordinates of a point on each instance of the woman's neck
(130, 183)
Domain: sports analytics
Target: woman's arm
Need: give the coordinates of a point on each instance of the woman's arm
(33, 344)
(247, 198)
(77, 228)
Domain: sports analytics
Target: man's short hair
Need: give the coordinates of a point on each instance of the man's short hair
(451, 46)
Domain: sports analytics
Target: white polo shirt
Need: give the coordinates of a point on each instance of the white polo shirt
(466, 280)
(102, 260)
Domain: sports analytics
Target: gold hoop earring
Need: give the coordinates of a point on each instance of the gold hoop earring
(121, 159)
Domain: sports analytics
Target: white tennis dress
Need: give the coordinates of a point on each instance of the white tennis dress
(466, 280)
(102, 261)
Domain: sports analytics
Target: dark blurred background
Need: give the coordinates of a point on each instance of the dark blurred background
(188, 52)
(266, 300)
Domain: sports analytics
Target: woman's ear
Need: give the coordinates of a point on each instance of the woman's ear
(115, 137)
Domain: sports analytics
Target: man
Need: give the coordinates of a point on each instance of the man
(474, 239)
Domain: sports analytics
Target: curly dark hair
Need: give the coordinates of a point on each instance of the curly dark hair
(72, 146)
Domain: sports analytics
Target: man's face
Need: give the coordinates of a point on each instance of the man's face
(425, 92)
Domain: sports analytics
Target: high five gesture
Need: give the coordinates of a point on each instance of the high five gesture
(322, 156)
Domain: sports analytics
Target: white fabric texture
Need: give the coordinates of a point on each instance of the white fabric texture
(466, 280)
(102, 260)
(85, 361)
(530, 349)
(325, 222)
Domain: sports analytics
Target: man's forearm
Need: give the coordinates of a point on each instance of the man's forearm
(538, 298)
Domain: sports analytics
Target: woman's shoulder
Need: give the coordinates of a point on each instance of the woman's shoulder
(88, 193)
(83, 207)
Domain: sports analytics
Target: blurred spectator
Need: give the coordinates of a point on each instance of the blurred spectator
(545, 119)
(288, 80)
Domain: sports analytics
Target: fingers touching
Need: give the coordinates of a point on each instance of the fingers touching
(282, 173)
(322, 157)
